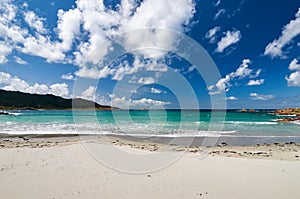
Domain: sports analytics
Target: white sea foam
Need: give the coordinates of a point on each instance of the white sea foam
(250, 123)
(296, 122)
(278, 115)
(12, 113)
(15, 114)
(144, 130)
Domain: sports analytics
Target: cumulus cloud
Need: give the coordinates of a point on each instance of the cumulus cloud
(118, 72)
(241, 72)
(11, 83)
(211, 34)
(294, 65)
(59, 89)
(123, 102)
(232, 98)
(88, 25)
(42, 46)
(230, 38)
(289, 32)
(68, 76)
(96, 73)
(255, 96)
(89, 93)
(146, 80)
(104, 24)
(33, 41)
(35, 22)
(294, 78)
(5, 50)
(156, 91)
(20, 60)
(256, 82)
(148, 102)
(68, 27)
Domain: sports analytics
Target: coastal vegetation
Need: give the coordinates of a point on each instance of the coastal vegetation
(12, 100)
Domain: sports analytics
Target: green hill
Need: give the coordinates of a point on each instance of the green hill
(26, 101)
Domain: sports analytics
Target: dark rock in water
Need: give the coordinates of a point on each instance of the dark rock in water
(224, 144)
(24, 138)
(4, 113)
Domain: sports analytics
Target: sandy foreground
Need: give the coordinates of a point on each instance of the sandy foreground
(63, 168)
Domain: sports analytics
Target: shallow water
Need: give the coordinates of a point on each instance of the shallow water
(161, 123)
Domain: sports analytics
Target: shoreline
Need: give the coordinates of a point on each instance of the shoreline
(205, 141)
(273, 151)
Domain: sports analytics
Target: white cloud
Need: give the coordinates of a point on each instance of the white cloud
(21, 39)
(123, 69)
(241, 72)
(230, 38)
(59, 89)
(232, 98)
(89, 93)
(211, 34)
(146, 80)
(123, 102)
(20, 60)
(103, 24)
(148, 102)
(211, 87)
(256, 74)
(68, 76)
(219, 13)
(43, 47)
(68, 27)
(256, 82)
(156, 91)
(294, 79)
(5, 50)
(35, 22)
(255, 96)
(8, 11)
(9, 82)
(88, 25)
(294, 65)
(25, 5)
(289, 32)
(96, 73)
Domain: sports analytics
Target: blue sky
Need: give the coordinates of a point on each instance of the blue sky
(49, 46)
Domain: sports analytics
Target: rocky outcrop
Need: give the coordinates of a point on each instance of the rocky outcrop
(288, 111)
(288, 119)
(4, 113)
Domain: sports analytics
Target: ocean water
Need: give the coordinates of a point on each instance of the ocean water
(164, 123)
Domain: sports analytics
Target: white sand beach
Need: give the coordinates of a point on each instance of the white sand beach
(64, 169)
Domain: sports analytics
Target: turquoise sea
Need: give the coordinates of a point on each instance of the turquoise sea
(148, 123)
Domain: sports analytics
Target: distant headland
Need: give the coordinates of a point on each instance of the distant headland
(15, 100)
